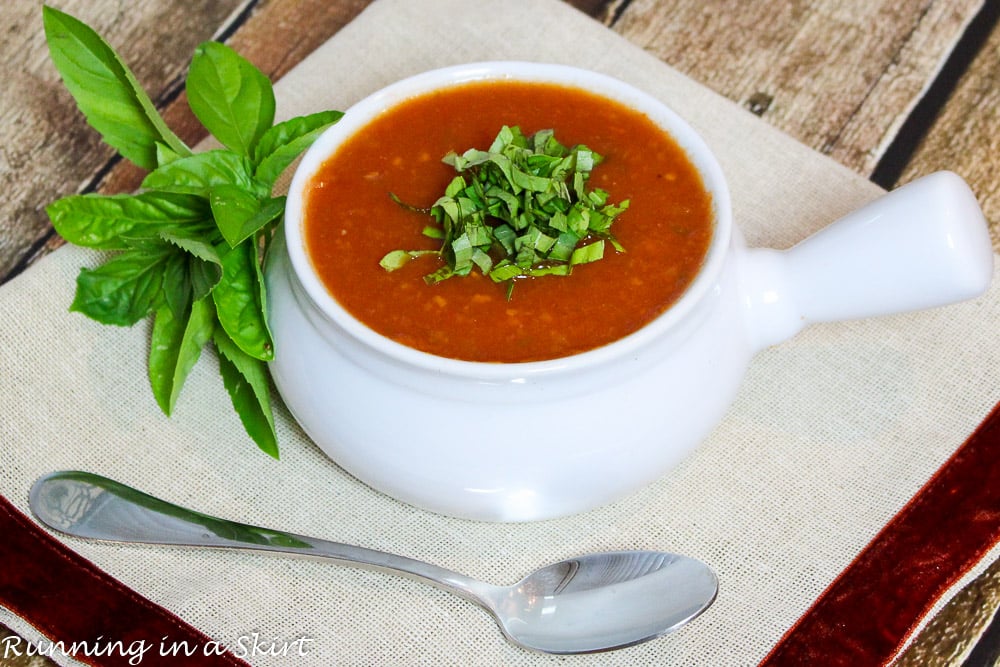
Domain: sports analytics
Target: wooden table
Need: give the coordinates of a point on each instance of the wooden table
(893, 89)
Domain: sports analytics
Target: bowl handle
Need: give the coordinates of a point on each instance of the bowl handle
(922, 245)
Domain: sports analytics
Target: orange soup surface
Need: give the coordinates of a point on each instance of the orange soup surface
(351, 222)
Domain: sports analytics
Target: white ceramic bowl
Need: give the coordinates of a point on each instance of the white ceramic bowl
(376, 406)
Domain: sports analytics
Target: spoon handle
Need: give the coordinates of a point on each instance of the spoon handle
(87, 505)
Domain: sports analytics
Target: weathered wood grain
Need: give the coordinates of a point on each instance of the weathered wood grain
(839, 76)
(46, 148)
(965, 137)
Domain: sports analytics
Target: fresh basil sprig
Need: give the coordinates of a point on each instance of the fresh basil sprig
(522, 210)
(187, 248)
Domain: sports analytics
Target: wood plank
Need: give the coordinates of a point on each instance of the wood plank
(965, 136)
(46, 148)
(840, 76)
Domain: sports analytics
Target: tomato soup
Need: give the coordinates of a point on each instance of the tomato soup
(351, 222)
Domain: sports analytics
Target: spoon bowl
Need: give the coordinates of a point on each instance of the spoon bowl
(596, 602)
(603, 601)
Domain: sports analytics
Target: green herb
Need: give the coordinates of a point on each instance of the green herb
(522, 210)
(187, 249)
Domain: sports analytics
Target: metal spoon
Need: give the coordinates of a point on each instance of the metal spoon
(592, 603)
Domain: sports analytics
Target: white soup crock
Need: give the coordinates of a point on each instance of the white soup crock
(530, 441)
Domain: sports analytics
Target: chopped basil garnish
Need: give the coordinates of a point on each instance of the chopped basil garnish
(519, 209)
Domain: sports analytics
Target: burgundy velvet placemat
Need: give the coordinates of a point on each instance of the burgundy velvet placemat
(68, 599)
(863, 618)
(867, 614)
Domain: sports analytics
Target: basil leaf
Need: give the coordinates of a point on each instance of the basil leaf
(165, 154)
(553, 270)
(106, 91)
(246, 380)
(280, 145)
(176, 286)
(232, 206)
(239, 214)
(175, 347)
(270, 211)
(198, 174)
(126, 288)
(164, 350)
(397, 258)
(588, 253)
(204, 276)
(100, 221)
(230, 96)
(240, 302)
(203, 269)
(193, 242)
(507, 271)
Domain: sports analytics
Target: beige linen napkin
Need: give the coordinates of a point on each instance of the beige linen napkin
(830, 435)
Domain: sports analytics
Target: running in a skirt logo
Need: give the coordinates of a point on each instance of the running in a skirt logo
(253, 645)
